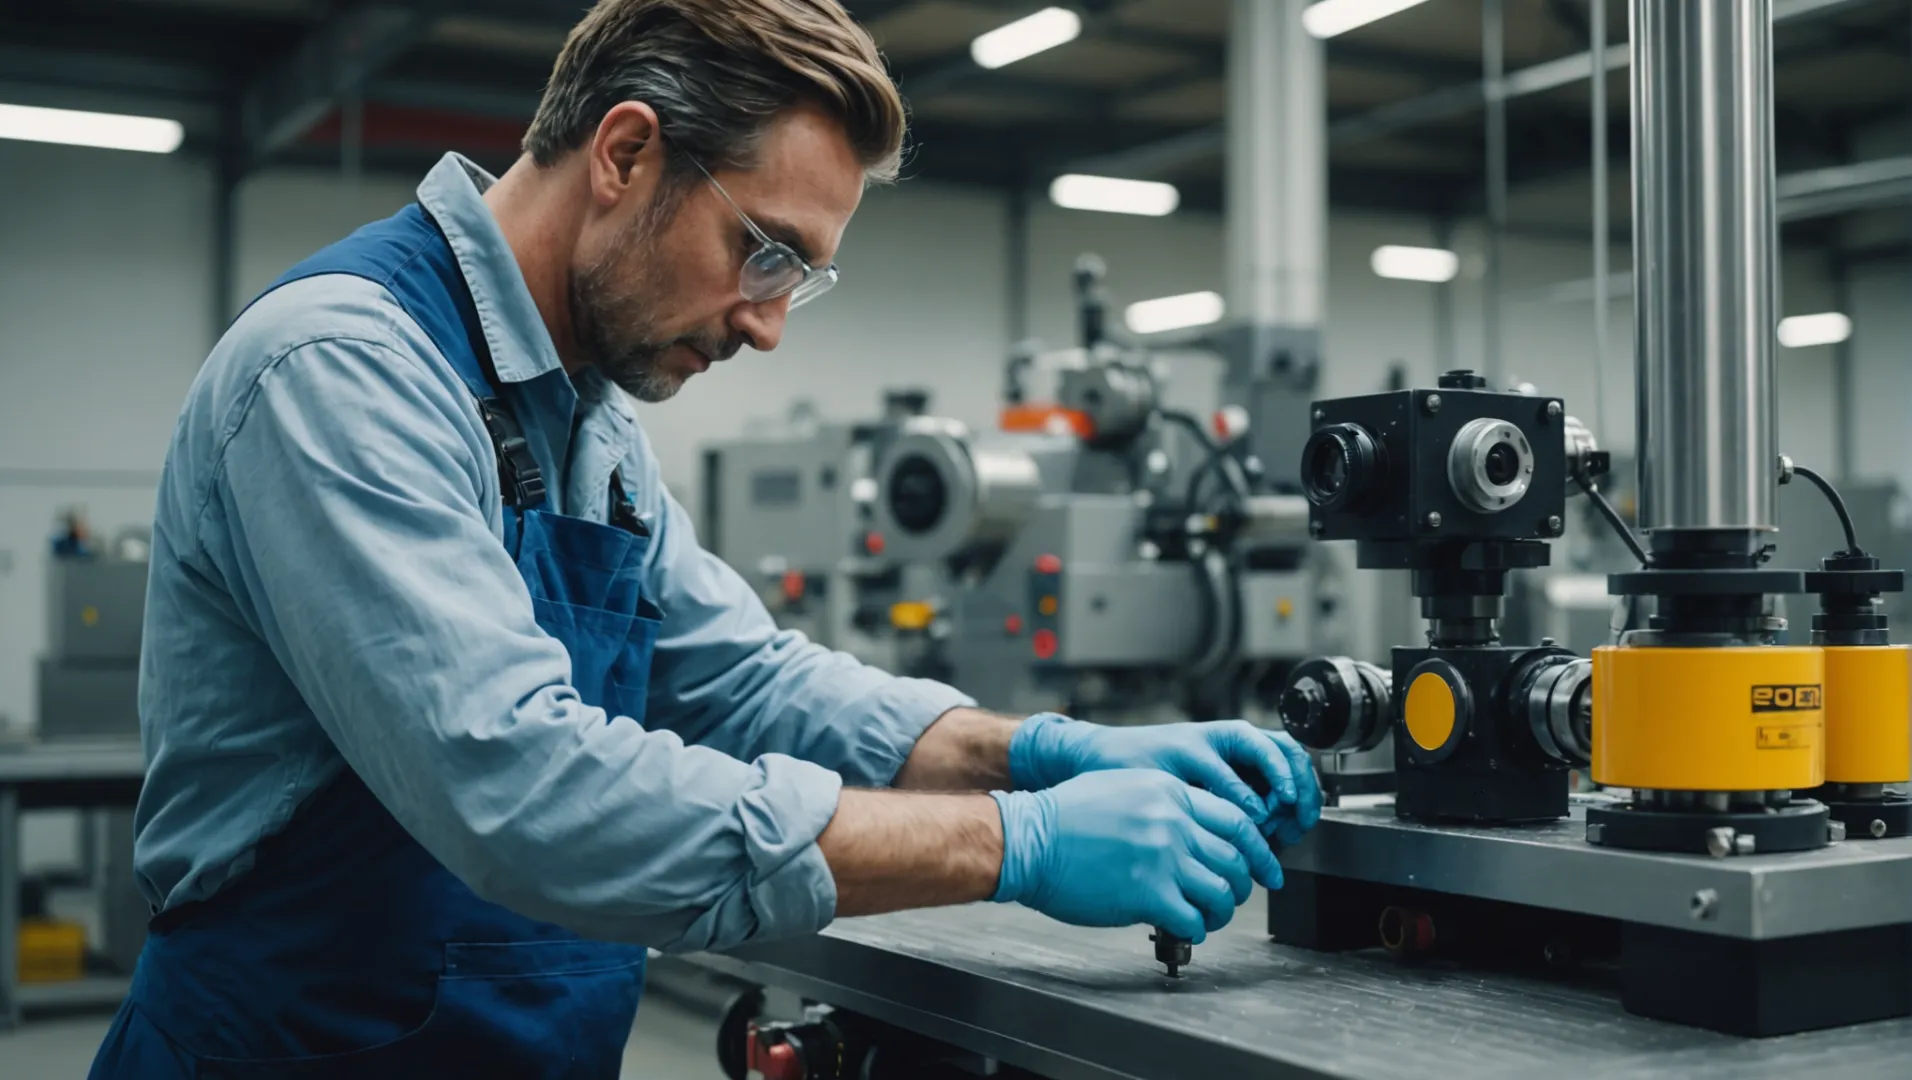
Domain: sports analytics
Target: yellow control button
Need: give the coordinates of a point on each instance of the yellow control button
(1047, 605)
(90, 615)
(1284, 608)
(911, 615)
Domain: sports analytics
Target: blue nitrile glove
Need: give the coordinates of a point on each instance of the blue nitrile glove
(1229, 758)
(1131, 846)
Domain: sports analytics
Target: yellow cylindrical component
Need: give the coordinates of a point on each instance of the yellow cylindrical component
(912, 615)
(1729, 719)
(1868, 714)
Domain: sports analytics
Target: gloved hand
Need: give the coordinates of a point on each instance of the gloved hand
(1131, 846)
(1223, 758)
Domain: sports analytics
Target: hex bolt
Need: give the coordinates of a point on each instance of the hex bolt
(1744, 844)
(1553, 410)
(1595, 832)
(1316, 528)
(1835, 831)
(1554, 524)
(1320, 415)
(1433, 519)
(1432, 403)
(1877, 829)
(1719, 842)
(1705, 904)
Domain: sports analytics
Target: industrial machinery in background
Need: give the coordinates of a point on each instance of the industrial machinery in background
(88, 689)
(791, 509)
(1745, 868)
(1103, 554)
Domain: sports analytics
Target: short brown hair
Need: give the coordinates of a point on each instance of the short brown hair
(718, 72)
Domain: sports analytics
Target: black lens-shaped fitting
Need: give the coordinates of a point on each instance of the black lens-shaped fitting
(918, 494)
(1340, 466)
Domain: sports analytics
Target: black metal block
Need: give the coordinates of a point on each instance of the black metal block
(1771, 987)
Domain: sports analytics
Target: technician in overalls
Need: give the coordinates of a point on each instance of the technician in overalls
(448, 715)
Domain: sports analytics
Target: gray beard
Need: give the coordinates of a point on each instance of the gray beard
(612, 316)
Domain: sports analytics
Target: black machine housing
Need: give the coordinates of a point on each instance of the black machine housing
(1457, 485)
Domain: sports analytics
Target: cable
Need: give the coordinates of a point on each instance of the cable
(1838, 505)
(1613, 517)
(1217, 453)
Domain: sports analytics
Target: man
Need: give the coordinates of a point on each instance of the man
(448, 715)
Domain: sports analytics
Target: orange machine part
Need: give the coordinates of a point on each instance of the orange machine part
(1047, 420)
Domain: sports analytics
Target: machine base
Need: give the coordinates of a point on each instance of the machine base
(1873, 819)
(1744, 944)
(1798, 826)
(1753, 988)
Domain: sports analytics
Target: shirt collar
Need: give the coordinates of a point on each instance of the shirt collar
(453, 193)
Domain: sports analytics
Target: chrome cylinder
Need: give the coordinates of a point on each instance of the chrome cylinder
(1703, 259)
(1275, 519)
(1277, 190)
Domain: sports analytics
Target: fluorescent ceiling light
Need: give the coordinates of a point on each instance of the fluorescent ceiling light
(1108, 194)
(108, 130)
(1415, 263)
(1026, 37)
(1805, 331)
(1174, 312)
(1331, 17)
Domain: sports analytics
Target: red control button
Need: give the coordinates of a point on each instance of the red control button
(1048, 564)
(873, 543)
(793, 585)
(1012, 625)
(1044, 642)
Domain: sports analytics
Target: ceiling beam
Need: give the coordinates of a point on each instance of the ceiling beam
(334, 63)
(1459, 101)
(34, 65)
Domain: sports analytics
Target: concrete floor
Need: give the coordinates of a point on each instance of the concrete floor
(670, 1042)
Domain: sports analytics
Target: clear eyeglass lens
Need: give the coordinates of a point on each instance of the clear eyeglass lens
(770, 272)
(814, 286)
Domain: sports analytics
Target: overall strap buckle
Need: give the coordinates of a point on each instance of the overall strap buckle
(520, 481)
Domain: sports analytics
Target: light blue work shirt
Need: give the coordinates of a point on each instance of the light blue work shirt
(329, 588)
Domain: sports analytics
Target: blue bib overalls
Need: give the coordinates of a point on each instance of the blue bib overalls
(347, 950)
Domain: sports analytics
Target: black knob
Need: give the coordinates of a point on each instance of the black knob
(1461, 379)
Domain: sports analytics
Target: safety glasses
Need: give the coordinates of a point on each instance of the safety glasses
(775, 268)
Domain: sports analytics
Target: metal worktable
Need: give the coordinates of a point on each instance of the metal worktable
(1077, 1004)
(70, 773)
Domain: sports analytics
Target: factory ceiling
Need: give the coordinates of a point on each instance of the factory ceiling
(1141, 92)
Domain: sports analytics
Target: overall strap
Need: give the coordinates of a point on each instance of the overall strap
(408, 255)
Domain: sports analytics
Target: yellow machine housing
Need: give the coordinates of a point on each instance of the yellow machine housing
(1868, 714)
(1748, 718)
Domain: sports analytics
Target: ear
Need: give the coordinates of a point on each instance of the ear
(626, 152)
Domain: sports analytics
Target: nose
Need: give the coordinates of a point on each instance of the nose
(761, 324)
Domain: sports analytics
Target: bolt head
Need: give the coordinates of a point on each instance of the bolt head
(1320, 415)
(1719, 842)
(1705, 904)
(1877, 828)
(1596, 832)
(1316, 528)
(1743, 845)
(1554, 410)
(1835, 831)
(1432, 403)
(1433, 519)
(1554, 524)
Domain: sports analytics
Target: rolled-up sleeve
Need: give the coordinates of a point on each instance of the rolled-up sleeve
(352, 497)
(728, 678)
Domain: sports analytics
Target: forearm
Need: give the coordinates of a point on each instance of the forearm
(964, 750)
(892, 851)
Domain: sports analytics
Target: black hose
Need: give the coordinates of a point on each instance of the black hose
(1613, 517)
(1214, 461)
(1838, 505)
